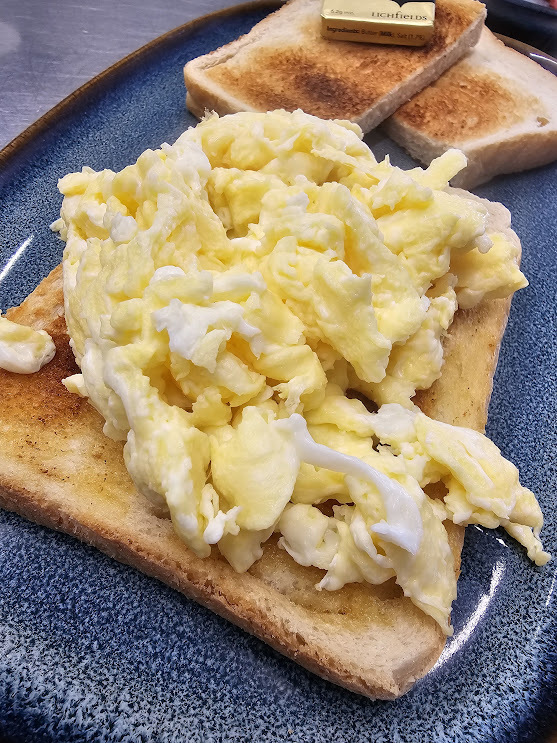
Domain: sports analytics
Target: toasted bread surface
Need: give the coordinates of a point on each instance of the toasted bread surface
(496, 105)
(283, 62)
(59, 469)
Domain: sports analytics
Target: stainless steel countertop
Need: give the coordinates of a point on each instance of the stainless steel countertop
(48, 48)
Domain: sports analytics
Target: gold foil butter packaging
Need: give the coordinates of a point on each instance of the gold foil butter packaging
(378, 21)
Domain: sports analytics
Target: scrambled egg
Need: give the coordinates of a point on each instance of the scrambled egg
(222, 295)
(22, 349)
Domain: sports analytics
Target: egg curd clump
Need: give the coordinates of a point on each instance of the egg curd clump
(222, 294)
(24, 350)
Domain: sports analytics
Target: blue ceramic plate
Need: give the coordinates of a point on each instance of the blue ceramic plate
(91, 650)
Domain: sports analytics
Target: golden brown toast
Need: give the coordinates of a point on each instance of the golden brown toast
(496, 105)
(283, 62)
(58, 469)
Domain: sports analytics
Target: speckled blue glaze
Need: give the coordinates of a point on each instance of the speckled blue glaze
(91, 650)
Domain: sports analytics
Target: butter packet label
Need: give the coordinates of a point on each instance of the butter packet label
(378, 21)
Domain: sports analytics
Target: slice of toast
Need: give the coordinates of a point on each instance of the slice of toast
(283, 62)
(58, 469)
(496, 105)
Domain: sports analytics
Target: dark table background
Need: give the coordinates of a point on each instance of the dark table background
(523, 20)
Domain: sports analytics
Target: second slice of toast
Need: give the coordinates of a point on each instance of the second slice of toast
(496, 105)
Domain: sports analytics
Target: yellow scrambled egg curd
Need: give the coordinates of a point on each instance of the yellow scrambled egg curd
(223, 293)
(22, 349)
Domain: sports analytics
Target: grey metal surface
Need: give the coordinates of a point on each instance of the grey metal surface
(48, 48)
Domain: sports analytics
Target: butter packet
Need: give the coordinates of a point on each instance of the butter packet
(378, 21)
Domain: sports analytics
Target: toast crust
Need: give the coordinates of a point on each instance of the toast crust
(330, 79)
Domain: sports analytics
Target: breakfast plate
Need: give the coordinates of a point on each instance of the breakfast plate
(92, 650)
